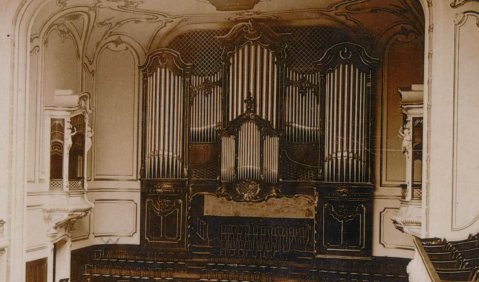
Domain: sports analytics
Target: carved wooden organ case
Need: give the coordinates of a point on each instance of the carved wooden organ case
(254, 130)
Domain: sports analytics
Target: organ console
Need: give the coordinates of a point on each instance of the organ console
(257, 128)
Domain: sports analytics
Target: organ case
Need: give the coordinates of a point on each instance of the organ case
(254, 129)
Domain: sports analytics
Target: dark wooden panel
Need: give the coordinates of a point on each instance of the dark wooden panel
(204, 159)
(345, 220)
(300, 162)
(163, 214)
(36, 271)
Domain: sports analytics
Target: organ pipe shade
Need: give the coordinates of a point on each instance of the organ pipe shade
(164, 116)
(347, 117)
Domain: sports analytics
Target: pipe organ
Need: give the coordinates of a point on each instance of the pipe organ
(254, 129)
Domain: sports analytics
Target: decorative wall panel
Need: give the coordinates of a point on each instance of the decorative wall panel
(115, 115)
(33, 118)
(61, 64)
(465, 210)
(35, 224)
(81, 229)
(106, 215)
(389, 236)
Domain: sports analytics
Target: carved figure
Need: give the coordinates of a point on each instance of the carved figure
(405, 135)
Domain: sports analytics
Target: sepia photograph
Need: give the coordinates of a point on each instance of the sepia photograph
(239, 140)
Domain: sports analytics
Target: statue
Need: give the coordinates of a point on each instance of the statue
(406, 136)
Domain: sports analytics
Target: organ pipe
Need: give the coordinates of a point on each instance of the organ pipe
(205, 108)
(302, 107)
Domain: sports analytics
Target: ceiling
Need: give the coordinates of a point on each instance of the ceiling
(154, 23)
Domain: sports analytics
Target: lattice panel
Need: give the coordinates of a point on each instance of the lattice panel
(291, 170)
(208, 171)
(202, 49)
(306, 45)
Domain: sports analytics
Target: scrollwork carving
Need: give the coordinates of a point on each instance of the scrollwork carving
(459, 3)
(304, 86)
(165, 58)
(252, 31)
(206, 88)
(165, 188)
(62, 219)
(248, 191)
(163, 206)
(343, 212)
(346, 53)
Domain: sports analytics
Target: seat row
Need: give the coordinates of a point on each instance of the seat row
(454, 260)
